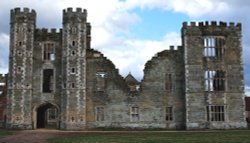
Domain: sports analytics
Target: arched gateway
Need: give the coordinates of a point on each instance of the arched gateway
(46, 116)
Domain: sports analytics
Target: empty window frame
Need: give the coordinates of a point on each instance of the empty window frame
(100, 114)
(213, 46)
(215, 113)
(134, 114)
(214, 80)
(169, 114)
(48, 80)
(48, 51)
(168, 82)
(101, 81)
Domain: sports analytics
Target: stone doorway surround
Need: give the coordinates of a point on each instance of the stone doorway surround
(39, 117)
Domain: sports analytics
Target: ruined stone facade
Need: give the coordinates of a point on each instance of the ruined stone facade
(198, 85)
(3, 101)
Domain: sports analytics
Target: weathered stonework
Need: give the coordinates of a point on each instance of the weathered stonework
(59, 70)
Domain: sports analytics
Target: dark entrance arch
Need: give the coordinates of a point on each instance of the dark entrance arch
(42, 116)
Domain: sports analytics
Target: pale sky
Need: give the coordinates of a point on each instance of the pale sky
(130, 32)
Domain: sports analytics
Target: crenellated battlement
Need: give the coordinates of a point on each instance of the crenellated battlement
(24, 15)
(78, 10)
(174, 48)
(3, 77)
(48, 31)
(25, 10)
(211, 24)
(78, 15)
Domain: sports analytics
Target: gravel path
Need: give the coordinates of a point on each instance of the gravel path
(30, 136)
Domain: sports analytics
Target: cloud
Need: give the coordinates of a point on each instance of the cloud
(4, 44)
(130, 55)
(247, 90)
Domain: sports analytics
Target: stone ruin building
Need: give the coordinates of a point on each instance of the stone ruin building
(56, 79)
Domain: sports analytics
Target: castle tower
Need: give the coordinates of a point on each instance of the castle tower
(214, 82)
(76, 39)
(22, 26)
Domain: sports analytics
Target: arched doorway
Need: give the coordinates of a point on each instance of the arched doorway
(47, 116)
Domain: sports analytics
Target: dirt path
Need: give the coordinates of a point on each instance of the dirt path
(30, 136)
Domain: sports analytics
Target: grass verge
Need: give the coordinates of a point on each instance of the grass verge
(156, 137)
(4, 133)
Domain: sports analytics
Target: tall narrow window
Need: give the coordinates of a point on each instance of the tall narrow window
(101, 81)
(169, 114)
(209, 47)
(219, 51)
(168, 82)
(219, 81)
(73, 70)
(20, 43)
(73, 43)
(73, 53)
(48, 80)
(209, 78)
(134, 113)
(100, 116)
(215, 113)
(48, 51)
(214, 80)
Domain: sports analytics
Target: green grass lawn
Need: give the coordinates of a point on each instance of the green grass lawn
(156, 137)
(4, 133)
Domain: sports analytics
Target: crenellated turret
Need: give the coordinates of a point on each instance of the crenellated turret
(213, 71)
(22, 27)
(76, 39)
(78, 16)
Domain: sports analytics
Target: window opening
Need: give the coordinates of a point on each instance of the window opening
(48, 52)
(168, 82)
(101, 81)
(134, 112)
(48, 80)
(73, 53)
(100, 114)
(73, 71)
(213, 47)
(19, 53)
(73, 43)
(214, 80)
(19, 69)
(215, 113)
(169, 113)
